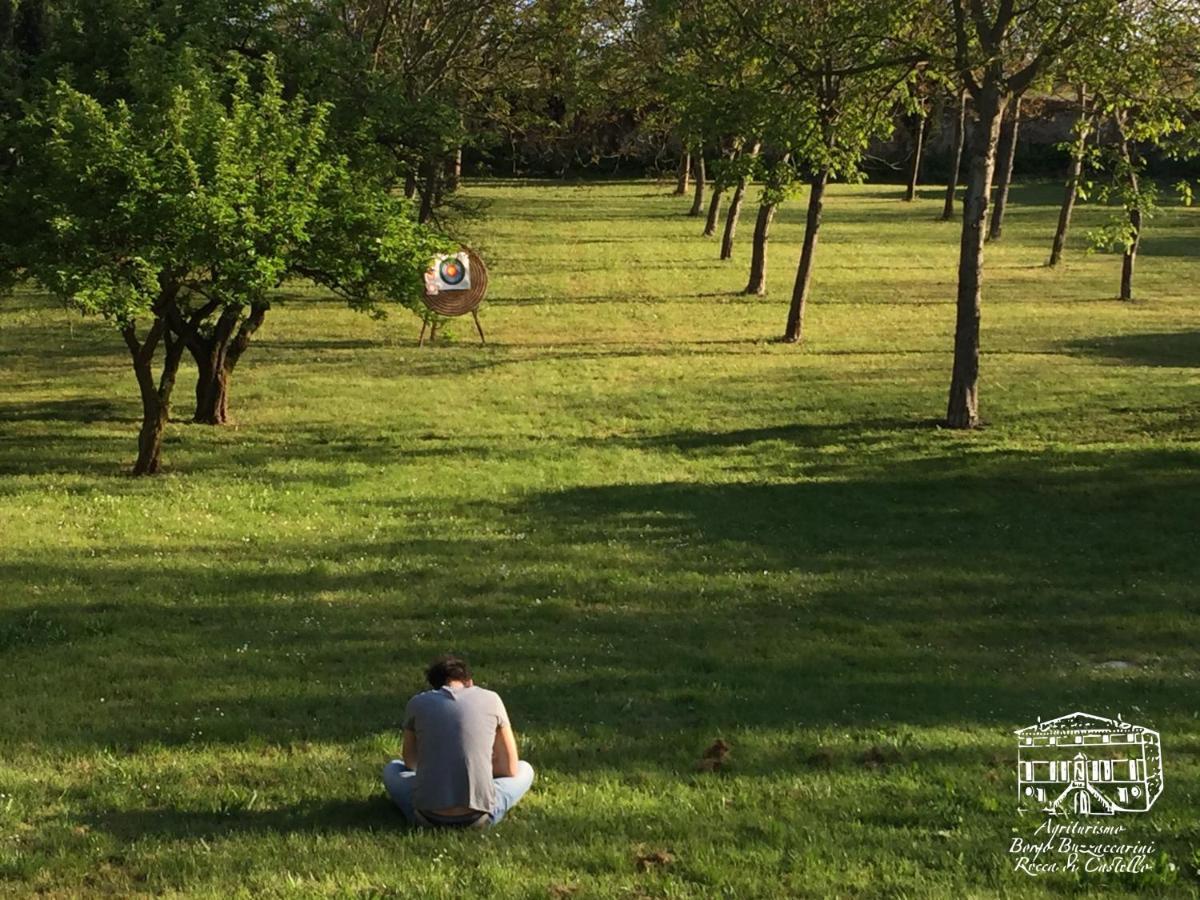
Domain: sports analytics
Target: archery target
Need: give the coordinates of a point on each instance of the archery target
(452, 273)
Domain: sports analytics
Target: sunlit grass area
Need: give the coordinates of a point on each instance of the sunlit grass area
(648, 525)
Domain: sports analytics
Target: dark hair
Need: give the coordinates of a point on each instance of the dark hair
(447, 667)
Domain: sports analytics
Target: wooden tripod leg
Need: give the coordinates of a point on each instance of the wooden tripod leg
(421, 339)
(478, 327)
(433, 332)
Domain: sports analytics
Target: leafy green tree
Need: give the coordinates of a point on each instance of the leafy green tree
(586, 85)
(845, 62)
(25, 29)
(1000, 48)
(163, 215)
(410, 83)
(1141, 77)
(712, 82)
(1148, 90)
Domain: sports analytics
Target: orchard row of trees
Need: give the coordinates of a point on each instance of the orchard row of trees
(169, 165)
(793, 94)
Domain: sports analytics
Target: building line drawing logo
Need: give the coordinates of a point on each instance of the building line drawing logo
(1088, 765)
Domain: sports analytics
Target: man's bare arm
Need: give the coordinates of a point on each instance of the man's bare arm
(504, 753)
(410, 749)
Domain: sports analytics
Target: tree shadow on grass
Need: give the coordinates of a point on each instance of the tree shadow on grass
(1174, 349)
(79, 409)
(1170, 245)
(374, 814)
(630, 621)
(860, 433)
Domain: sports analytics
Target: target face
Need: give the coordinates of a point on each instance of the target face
(452, 273)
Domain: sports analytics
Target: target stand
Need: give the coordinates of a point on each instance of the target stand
(455, 285)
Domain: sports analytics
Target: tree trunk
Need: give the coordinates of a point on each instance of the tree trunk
(154, 412)
(914, 171)
(1006, 155)
(731, 219)
(772, 197)
(216, 356)
(757, 284)
(714, 209)
(962, 410)
(150, 439)
(735, 211)
(960, 136)
(212, 393)
(410, 185)
(1071, 191)
(794, 332)
(719, 184)
(685, 169)
(698, 199)
(453, 174)
(156, 398)
(429, 190)
(1129, 259)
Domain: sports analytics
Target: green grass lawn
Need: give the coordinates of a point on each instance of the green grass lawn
(648, 526)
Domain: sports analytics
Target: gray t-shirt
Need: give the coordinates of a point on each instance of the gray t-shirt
(456, 730)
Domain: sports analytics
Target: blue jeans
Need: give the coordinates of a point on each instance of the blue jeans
(398, 780)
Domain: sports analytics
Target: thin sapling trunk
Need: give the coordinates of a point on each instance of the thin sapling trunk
(956, 155)
(914, 169)
(1006, 156)
(685, 169)
(1134, 237)
(735, 211)
(714, 209)
(757, 283)
(772, 196)
(794, 330)
(700, 179)
(1074, 174)
(429, 189)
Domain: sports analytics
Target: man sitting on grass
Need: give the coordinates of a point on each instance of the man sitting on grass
(460, 766)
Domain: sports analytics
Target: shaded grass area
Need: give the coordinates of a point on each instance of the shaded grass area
(649, 527)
